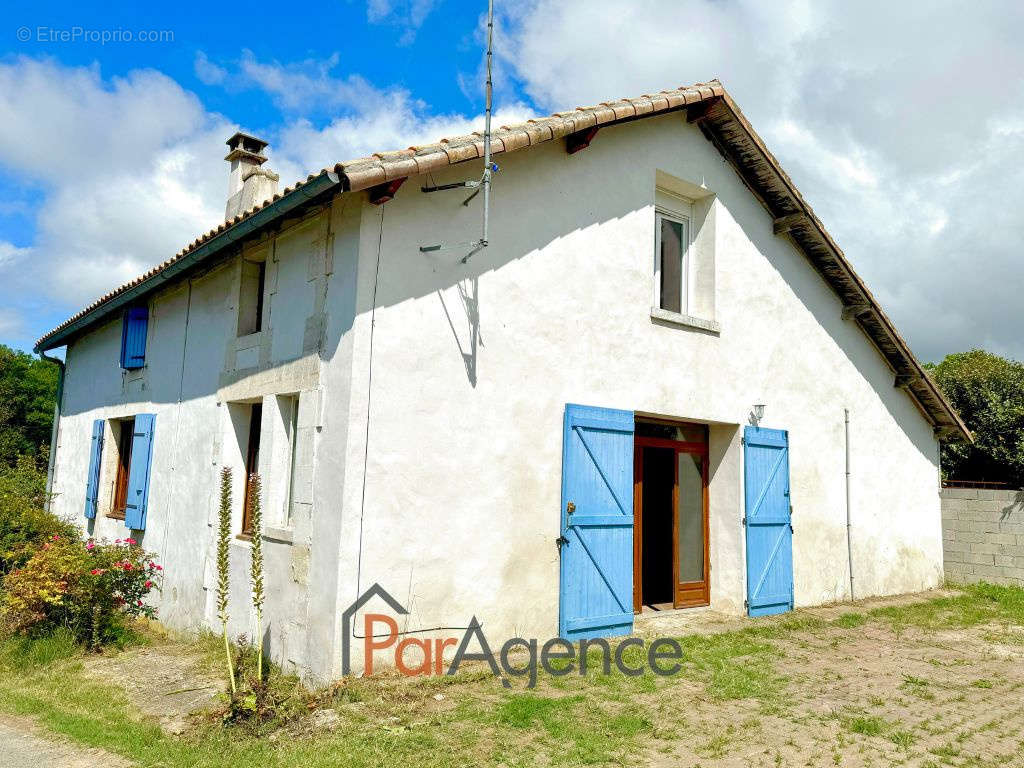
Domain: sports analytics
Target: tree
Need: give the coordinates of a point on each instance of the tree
(28, 391)
(988, 392)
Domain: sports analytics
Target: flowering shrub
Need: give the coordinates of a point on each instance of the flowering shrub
(24, 522)
(88, 588)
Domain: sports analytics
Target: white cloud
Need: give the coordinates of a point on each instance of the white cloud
(129, 168)
(392, 120)
(208, 72)
(367, 118)
(408, 15)
(10, 322)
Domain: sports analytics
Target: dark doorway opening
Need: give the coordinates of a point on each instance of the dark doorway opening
(670, 515)
(657, 584)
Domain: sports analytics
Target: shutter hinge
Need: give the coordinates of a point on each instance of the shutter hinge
(743, 441)
(746, 605)
(744, 520)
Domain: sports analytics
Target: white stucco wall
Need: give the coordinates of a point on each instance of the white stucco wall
(195, 380)
(463, 469)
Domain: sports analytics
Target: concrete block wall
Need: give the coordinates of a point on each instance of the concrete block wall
(983, 535)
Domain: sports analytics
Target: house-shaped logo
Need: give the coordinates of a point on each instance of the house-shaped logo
(346, 620)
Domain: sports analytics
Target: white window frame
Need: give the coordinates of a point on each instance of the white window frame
(677, 209)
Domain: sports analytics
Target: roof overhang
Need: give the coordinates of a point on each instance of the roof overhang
(201, 251)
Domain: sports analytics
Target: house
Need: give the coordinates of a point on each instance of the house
(660, 385)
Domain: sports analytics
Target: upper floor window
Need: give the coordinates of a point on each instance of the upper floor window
(684, 255)
(250, 298)
(134, 327)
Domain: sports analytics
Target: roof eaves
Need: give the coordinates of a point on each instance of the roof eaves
(201, 249)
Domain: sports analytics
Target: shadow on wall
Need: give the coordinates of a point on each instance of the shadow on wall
(1014, 507)
(537, 203)
(556, 210)
(469, 292)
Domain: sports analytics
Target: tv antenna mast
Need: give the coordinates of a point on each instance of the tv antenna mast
(484, 183)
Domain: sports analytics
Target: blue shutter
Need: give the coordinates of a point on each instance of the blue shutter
(133, 337)
(596, 588)
(92, 485)
(139, 471)
(768, 521)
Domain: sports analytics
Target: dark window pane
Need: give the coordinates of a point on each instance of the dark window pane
(252, 462)
(671, 265)
(685, 433)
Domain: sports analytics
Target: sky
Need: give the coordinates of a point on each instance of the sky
(901, 123)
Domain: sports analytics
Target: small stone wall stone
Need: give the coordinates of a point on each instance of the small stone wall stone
(983, 535)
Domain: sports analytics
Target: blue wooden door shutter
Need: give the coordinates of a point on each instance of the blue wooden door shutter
(139, 471)
(133, 337)
(596, 592)
(768, 521)
(92, 485)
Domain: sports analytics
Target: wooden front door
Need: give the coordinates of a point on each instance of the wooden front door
(670, 503)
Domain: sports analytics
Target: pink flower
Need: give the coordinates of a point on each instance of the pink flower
(148, 584)
(95, 572)
(89, 544)
(117, 541)
(139, 603)
(159, 567)
(130, 541)
(55, 537)
(127, 566)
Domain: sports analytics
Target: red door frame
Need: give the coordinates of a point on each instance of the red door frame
(685, 594)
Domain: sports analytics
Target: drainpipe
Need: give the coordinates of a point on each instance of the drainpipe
(56, 424)
(849, 545)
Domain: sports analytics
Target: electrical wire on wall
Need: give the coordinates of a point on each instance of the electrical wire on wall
(366, 448)
(181, 390)
(477, 245)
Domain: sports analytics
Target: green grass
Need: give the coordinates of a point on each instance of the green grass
(39, 651)
(979, 604)
(570, 720)
(850, 620)
(867, 725)
(903, 739)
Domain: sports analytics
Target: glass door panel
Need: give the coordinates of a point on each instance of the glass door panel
(691, 518)
(691, 530)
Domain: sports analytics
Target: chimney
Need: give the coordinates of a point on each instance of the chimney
(248, 183)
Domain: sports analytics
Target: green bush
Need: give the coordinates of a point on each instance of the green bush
(89, 589)
(24, 522)
(28, 390)
(988, 392)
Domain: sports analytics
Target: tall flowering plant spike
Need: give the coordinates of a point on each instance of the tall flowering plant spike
(223, 544)
(256, 560)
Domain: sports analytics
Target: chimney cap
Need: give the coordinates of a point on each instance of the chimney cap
(246, 145)
(249, 142)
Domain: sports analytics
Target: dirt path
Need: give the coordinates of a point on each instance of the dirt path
(865, 695)
(23, 745)
(167, 681)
